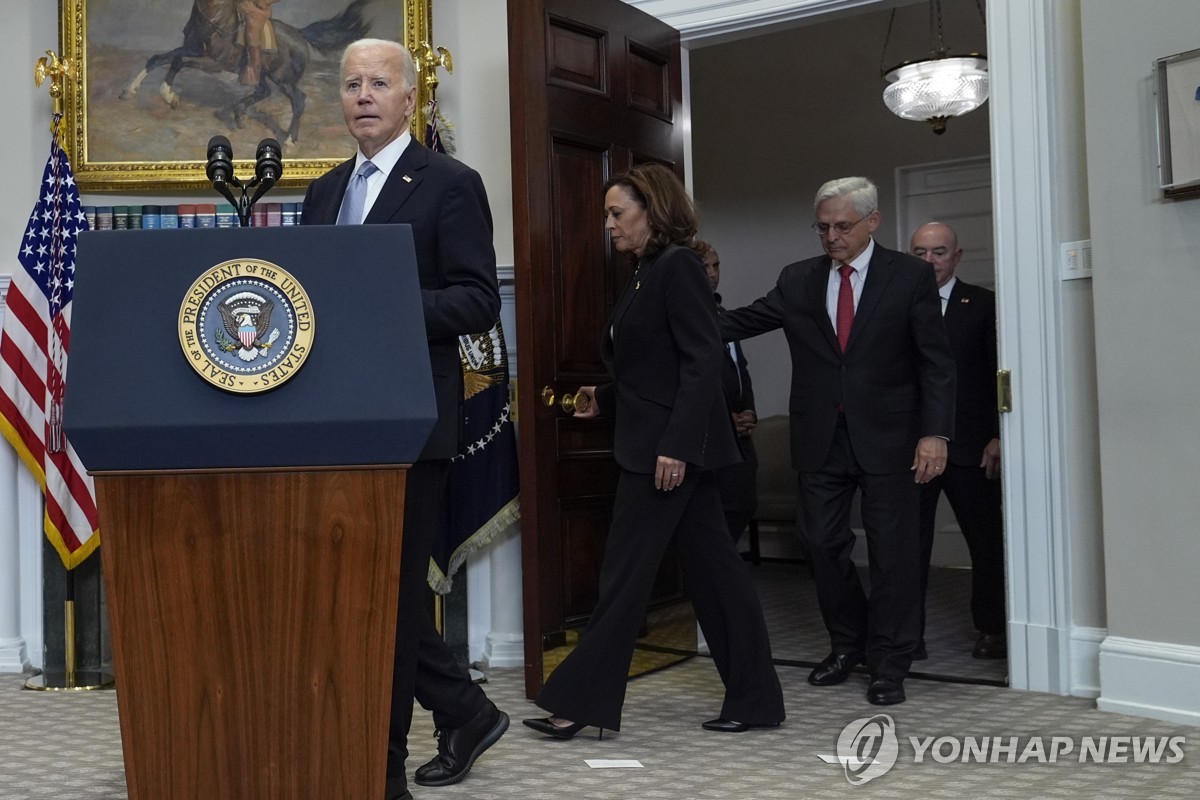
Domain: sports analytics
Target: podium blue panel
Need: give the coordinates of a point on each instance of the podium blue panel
(364, 395)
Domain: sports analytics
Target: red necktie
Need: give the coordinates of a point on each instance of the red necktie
(845, 306)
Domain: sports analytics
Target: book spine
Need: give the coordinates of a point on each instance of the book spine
(206, 215)
(151, 217)
(170, 216)
(226, 216)
(104, 218)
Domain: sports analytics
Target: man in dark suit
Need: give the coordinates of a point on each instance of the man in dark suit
(971, 479)
(738, 482)
(393, 179)
(872, 408)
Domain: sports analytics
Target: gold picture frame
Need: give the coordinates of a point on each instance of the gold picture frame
(126, 133)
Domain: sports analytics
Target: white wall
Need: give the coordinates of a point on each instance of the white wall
(776, 116)
(1147, 281)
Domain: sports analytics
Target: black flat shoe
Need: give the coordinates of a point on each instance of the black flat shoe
(722, 725)
(546, 725)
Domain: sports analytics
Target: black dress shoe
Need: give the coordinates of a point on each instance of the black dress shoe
(885, 691)
(459, 747)
(834, 669)
(546, 725)
(991, 645)
(920, 653)
(722, 725)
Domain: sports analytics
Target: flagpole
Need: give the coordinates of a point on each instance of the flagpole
(70, 679)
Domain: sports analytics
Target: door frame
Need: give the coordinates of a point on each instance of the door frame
(1047, 651)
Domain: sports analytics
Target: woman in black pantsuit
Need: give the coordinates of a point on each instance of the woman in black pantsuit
(664, 353)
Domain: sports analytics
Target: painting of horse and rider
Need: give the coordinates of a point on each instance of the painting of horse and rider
(164, 76)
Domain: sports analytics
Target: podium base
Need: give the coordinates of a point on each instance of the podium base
(81, 681)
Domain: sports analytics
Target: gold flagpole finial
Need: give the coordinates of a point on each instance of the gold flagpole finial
(428, 60)
(56, 69)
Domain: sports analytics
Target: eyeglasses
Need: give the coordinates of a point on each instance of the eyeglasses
(841, 227)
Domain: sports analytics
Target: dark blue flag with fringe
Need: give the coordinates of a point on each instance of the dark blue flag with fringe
(484, 482)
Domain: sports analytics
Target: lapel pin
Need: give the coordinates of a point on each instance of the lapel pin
(407, 179)
(964, 300)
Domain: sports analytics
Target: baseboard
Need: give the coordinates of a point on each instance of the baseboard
(1158, 680)
(13, 656)
(1085, 661)
(504, 650)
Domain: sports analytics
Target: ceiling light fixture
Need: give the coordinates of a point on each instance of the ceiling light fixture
(939, 87)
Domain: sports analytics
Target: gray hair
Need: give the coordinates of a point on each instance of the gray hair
(408, 67)
(861, 193)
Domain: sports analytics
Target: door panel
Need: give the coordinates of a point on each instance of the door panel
(591, 84)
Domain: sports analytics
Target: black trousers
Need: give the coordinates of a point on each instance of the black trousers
(589, 685)
(424, 667)
(886, 626)
(976, 502)
(738, 485)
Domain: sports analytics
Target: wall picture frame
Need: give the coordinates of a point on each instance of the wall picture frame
(1177, 96)
(155, 80)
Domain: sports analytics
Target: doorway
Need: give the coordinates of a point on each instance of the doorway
(761, 153)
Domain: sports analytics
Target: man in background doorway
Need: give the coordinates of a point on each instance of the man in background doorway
(971, 480)
(738, 483)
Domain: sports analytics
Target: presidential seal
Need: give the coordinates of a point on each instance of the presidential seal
(246, 326)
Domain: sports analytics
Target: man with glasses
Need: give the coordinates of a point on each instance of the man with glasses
(872, 409)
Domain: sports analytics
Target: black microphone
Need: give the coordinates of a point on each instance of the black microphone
(268, 164)
(220, 163)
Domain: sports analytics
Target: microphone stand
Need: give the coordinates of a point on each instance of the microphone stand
(268, 166)
(244, 205)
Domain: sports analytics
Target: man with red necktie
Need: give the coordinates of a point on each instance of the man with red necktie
(872, 410)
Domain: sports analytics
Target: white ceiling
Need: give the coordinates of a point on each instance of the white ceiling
(702, 22)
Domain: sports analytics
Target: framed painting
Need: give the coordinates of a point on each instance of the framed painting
(1177, 90)
(156, 79)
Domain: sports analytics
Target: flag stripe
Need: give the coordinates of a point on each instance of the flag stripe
(34, 344)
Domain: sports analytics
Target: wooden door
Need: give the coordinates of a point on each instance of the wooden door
(595, 88)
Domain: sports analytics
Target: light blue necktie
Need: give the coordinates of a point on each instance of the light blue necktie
(356, 195)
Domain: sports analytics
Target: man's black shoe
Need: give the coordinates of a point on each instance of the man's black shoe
(991, 645)
(459, 747)
(834, 669)
(885, 691)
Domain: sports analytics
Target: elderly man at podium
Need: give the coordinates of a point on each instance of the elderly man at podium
(393, 179)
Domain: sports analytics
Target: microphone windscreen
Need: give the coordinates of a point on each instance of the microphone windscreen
(220, 143)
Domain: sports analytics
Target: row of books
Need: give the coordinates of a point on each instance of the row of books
(188, 215)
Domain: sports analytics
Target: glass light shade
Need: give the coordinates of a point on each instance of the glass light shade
(938, 88)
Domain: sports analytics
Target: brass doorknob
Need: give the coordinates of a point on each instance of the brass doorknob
(579, 401)
(547, 395)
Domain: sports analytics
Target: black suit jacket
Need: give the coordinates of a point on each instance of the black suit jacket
(896, 378)
(445, 202)
(735, 376)
(971, 325)
(664, 353)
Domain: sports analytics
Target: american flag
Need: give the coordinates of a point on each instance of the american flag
(33, 360)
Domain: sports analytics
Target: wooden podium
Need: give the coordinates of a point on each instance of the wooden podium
(251, 543)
